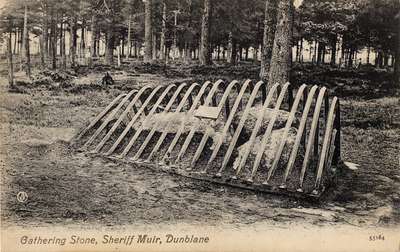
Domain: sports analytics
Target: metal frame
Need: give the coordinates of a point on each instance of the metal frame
(136, 107)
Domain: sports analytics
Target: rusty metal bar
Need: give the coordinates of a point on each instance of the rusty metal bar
(155, 106)
(237, 103)
(241, 122)
(188, 95)
(117, 123)
(148, 138)
(129, 126)
(109, 118)
(336, 155)
(182, 126)
(142, 108)
(300, 134)
(206, 134)
(312, 134)
(325, 146)
(331, 150)
(284, 136)
(258, 125)
(194, 127)
(101, 115)
(267, 133)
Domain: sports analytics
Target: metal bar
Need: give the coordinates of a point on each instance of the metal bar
(128, 127)
(331, 150)
(258, 125)
(108, 119)
(336, 155)
(305, 102)
(182, 126)
(100, 115)
(312, 134)
(148, 138)
(142, 108)
(285, 134)
(238, 102)
(210, 97)
(326, 142)
(242, 121)
(117, 123)
(300, 131)
(207, 133)
(188, 94)
(267, 134)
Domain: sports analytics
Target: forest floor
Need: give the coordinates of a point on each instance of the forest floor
(37, 121)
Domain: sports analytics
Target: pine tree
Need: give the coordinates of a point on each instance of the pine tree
(281, 52)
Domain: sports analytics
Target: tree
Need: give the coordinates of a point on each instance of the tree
(268, 37)
(205, 49)
(397, 57)
(148, 31)
(281, 52)
(25, 44)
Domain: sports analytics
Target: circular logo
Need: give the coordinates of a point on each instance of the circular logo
(22, 197)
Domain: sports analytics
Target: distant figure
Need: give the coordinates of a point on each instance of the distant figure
(359, 63)
(107, 79)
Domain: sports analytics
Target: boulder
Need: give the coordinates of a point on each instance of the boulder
(214, 127)
(270, 149)
(251, 120)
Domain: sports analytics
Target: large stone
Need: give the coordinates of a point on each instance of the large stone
(175, 120)
(270, 149)
(281, 118)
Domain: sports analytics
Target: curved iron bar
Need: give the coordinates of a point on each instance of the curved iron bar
(187, 95)
(220, 140)
(182, 126)
(167, 108)
(284, 135)
(312, 134)
(325, 146)
(108, 119)
(299, 135)
(194, 127)
(259, 122)
(240, 126)
(132, 121)
(100, 115)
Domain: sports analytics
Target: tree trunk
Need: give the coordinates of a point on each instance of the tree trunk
(62, 45)
(205, 50)
(25, 44)
(72, 41)
(15, 40)
(281, 61)
(154, 44)
(230, 42)
(53, 42)
(148, 31)
(268, 37)
(10, 62)
(232, 50)
(397, 56)
(301, 50)
(83, 42)
(163, 31)
(92, 47)
(129, 37)
(333, 52)
(110, 45)
(188, 36)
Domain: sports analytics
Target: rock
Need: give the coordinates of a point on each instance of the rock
(270, 149)
(280, 121)
(214, 127)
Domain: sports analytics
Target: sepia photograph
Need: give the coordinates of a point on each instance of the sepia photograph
(200, 125)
